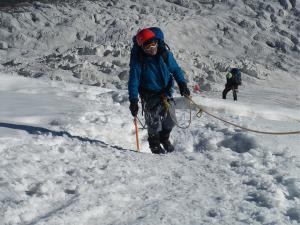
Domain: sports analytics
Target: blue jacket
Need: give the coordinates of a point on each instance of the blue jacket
(156, 74)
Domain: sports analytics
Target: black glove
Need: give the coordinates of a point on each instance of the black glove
(184, 90)
(134, 107)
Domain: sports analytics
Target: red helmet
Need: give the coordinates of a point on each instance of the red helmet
(144, 35)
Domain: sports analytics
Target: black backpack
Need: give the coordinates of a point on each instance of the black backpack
(236, 72)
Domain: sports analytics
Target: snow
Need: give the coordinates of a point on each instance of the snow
(67, 139)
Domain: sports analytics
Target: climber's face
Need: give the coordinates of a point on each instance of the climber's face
(151, 48)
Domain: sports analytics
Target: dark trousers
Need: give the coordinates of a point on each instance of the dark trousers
(159, 122)
(229, 87)
(156, 118)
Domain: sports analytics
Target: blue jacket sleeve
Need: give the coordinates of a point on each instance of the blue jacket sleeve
(175, 69)
(134, 77)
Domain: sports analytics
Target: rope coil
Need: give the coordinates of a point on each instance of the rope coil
(201, 109)
(200, 112)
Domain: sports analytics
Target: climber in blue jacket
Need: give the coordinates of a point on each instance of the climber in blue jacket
(152, 69)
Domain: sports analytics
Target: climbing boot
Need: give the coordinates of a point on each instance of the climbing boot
(224, 95)
(164, 136)
(154, 144)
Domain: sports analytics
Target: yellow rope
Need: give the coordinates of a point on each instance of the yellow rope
(201, 109)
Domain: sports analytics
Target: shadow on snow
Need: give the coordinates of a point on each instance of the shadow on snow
(45, 131)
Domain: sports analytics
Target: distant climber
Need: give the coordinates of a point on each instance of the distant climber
(233, 78)
(152, 69)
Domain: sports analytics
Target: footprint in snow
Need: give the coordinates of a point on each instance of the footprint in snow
(239, 143)
(266, 199)
(294, 214)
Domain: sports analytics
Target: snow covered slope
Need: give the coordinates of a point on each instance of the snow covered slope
(68, 157)
(67, 144)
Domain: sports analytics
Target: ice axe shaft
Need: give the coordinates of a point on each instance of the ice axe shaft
(136, 134)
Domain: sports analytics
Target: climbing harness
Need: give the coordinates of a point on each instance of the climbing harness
(166, 106)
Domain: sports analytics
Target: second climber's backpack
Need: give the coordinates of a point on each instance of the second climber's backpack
(236, 75)
(238, 78)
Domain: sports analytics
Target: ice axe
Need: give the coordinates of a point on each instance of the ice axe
(136, 134)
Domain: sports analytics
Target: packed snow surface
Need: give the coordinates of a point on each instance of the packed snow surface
(67, 139)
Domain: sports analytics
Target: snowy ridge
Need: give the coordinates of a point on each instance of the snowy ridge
(89, 42)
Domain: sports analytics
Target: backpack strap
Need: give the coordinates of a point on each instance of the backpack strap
(164, 55)
(163, 51)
